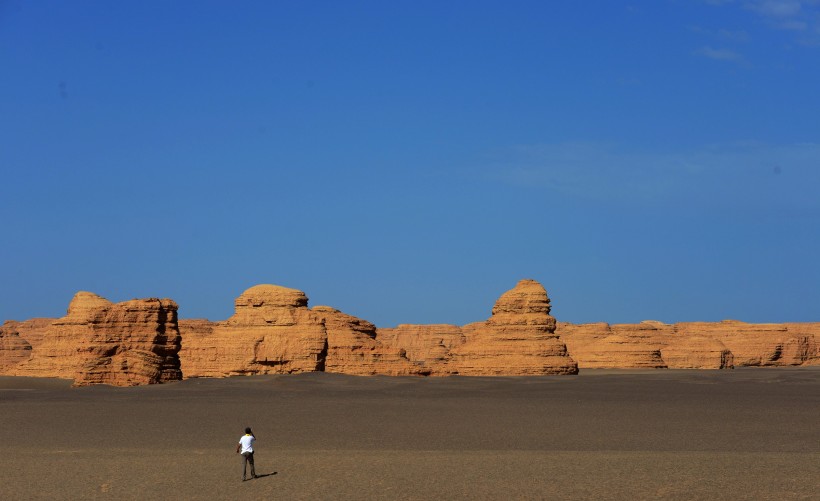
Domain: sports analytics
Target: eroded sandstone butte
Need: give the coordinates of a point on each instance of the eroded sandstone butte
(518, 339)
(274, 331)
(100, 342)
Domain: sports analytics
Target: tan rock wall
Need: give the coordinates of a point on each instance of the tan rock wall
(271, 332)
(199, 354)
(13, 349)
(99, 342)
(17, 340)
(354, 349)
(274, 331)
(697, 352)
(518, 339)
(427, 347)
(698, 345)
(32, 330)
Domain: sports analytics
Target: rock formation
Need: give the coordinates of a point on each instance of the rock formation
(354, 349)
(273, 330)
(806, 340)
(17, 340)
(754, 344)
(99, 342)
(519, 338)
(427, 347)
(32, 330)
(199, 353)
(13, 349)
(623, 346)
(696, 345)
(697, 352)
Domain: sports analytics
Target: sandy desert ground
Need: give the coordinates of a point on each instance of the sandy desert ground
(742, 434)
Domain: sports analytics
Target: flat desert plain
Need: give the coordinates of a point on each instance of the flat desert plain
(740, 434)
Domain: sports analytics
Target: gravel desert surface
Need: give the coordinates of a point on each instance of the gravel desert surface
(603, 434)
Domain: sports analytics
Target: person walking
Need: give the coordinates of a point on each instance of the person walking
(245, 447)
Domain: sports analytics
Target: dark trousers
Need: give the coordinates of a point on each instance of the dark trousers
(247, 457)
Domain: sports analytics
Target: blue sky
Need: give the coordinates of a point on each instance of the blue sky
(407, 162)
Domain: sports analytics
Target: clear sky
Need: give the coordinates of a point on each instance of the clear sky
(409, 161)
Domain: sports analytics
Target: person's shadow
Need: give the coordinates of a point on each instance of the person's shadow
(266, 475)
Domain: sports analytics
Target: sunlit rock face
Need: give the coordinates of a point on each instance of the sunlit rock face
(518, 339)
(353, 348)
(697, 352)
(17, 339)
(99, 342)
(14, 349)
(691, 345)
(620, 346)
(274, 331)
(271, 332)
(427, 347)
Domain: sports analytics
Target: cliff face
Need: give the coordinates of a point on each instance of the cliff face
(691, 345)
(600, 345)
(274, 331)
(14, 349)
(757, 344)
(32, 330)
(353, 347)
(271, 332)
(123, 344)
(17, 340)
(518, 339)
(427, 347)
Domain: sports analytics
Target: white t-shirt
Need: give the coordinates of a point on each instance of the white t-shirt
(247, 443)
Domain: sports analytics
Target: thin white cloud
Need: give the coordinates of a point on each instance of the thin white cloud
(802, 17)
(777, 8)
(734, 35)
(719, 54)
(740, 175)
(792, 25)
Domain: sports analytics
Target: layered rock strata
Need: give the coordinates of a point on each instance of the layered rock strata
(519, 338)
(274, 331)
(32, 330)
(271, 332)
(354, 349)
(756, 344)
(691, 345)
(14, 349)
(628, 346)
(697, 352)
(100, 342)
(428, 347)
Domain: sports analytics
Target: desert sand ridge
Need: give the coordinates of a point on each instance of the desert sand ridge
(274, 331)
